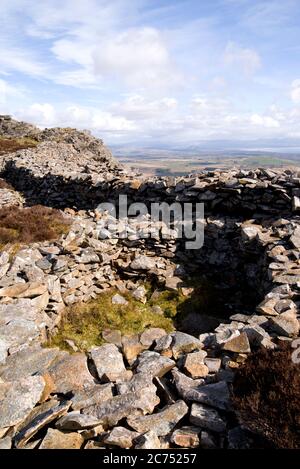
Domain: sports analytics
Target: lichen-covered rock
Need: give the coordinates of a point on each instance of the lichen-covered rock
(187, 437)
(18, 398)
(56, 439)
(154, 364)
(121, 437)
(162, 422)
(71, 373)
(207, 418)
(109, 363)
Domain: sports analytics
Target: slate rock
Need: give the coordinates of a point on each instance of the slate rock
(56, 439)
(121, 437)
(18, 398)
(71, 373)
(38, 418)
(207, 418)
(154, 364)
(109, 363)
(162, 422)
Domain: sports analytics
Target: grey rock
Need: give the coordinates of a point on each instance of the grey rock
(5, 443)
(140, 293)
(184, 343)
(143, 263)
(286, 324)
(113, 410)
(38, 418)
(119, 300)
(109, 363)
(121, 437)
(29, 361)
(215, 395)
(207, 418)
(76, 421)
(17, 399)
(162, 422)
(150, 335)
(154, 364)
(91, 395)
(148, 440)
(213, 364)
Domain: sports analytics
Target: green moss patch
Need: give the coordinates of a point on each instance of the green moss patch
(83, 323)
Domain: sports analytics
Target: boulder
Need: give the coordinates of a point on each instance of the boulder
(71, 374)
(207, 418)
(56, 439)
(162, 422)
(18, 398)
(109, 363)
(121, 437)
(194, 364)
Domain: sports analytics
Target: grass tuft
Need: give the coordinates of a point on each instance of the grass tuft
(83, 323)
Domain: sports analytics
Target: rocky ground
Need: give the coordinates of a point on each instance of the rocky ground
(153, 389)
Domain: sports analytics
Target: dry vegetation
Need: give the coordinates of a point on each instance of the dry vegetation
(10, 145)
(5, 185)
(266, 395)
(28, 225)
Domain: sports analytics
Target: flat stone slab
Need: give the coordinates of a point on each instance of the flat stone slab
(154, 364)
(56, 439)
(91, 395)
(76, 421)
(121, 437)
(19, 332)
(113, 410)
(71, 374)
(30, 361)
(148, 440)
(162, 422)
(216, 395)
(109, 363)
(207, 418)
(40, 416)
(184, 343)
(143, 263)
(18, 398)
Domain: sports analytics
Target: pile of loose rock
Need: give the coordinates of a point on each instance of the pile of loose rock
(153, 389)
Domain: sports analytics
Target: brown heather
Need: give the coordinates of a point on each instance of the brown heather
(28, 225)
(266, 396)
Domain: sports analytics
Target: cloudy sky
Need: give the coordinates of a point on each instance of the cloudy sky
(150, 72)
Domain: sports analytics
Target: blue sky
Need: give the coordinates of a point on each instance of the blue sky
(150, 72)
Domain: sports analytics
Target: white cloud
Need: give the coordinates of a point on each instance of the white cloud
(20, 60)
(137, 57)
(101, 122)
(138, 107)
(248, 60)
(295, 91)
(264, 121)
